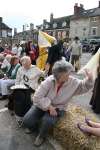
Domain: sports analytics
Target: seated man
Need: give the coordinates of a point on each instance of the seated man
(52, 97)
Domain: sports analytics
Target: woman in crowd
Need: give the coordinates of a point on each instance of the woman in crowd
(33, 51)
(55, 53)
(27, 76)
(52, 97)
(6, 63)
(92, 128)
(9, 78)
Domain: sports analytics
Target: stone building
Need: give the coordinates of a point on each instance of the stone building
(85, 23)
(25, 35)
(5, 33)
(57, 27)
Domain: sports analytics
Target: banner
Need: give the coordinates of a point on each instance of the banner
(92, 65)
(45, 40)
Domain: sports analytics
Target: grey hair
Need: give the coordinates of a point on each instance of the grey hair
(60, 67)
(24, 59)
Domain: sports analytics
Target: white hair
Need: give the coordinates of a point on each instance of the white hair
(25, 59)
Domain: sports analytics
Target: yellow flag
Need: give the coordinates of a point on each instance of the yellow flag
(45, 40)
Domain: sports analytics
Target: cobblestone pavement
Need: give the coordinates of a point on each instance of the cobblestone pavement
(14, 138)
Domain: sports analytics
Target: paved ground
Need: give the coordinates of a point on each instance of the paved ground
(12, 138)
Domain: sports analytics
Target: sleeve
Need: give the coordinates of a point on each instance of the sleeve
(80, 49)
(84, 86)
(18, 77)
(50, 54)
(40, 98)
(13, 76)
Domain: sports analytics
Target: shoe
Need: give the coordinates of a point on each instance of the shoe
(39, 141)
(87, 122)
(79, 125)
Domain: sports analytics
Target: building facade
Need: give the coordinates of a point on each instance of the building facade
(85, 23)
(57, 27)
(25, 35)
(5, 33)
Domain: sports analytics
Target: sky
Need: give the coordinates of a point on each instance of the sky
(17, 13)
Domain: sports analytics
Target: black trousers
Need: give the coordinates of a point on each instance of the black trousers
(37, 116)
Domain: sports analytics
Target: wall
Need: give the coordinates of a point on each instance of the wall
(80, 28)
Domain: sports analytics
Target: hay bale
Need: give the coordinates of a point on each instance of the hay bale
(70, 137)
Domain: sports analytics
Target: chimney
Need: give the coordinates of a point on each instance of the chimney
(99, 4)
(15, 31)
(51, 18)
(81, 8)
(31, 26)
(44, 21)
(76, 9)
(23, 28)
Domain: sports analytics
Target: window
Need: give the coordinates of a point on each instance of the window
(54, 33)
(4, 33)
(59, 35)
(64, 24)
(9, 34)
(54, 25)
(46, 26)
(64, 34)
(93, 19)
(94, 31)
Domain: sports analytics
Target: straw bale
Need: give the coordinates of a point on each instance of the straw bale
(69, 136)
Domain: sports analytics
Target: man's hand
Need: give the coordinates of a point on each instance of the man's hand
(88, 74)
(52, 111)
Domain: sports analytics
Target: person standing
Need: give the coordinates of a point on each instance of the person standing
(76, 52)
(55, 53)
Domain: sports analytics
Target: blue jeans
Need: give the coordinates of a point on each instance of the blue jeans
(36, 115)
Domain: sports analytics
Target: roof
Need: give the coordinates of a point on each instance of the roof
(4, 26)
(59, 22)
(87, 13)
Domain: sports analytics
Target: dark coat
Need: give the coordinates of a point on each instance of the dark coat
(95, 99)
(55, 53)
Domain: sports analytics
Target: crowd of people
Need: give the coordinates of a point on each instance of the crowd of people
(39, 83)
